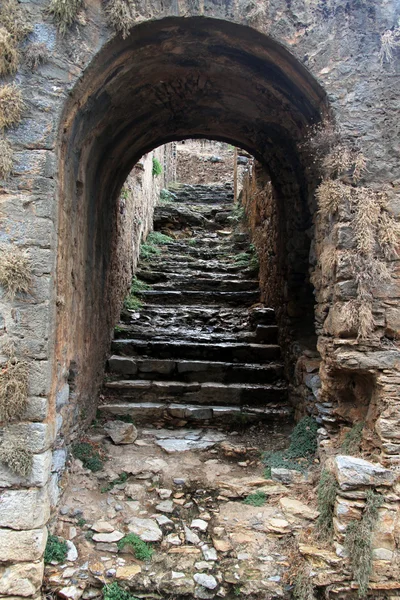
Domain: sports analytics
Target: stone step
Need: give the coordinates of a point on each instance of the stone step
(226, 352)
(157, 332)
(209, 392)
(150, 412)
(157, 276)
(203, 266)
(195, 370)
(246, 298)
(206, 319)
(206, 284)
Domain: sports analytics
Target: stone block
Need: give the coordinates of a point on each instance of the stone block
(123, 365)
(34, 437)
(27, 544)
(36, 409)
(393, 321)
(38, 477)
(352, 473)
(39, 378)
(23, 579)
(42, 260)
(24, 509)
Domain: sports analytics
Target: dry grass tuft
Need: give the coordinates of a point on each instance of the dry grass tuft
(36, 54)
(388, 235)
(6, 159)
(11, 105)
(13, 18)
(366, 322)
(366, 219)
(9, 56)
(328, 261)
(338, 161)
(17, 459)
(330, 195)
(15, 271)
(121, 16)
(390, 40)
(13, 389)
(65, 13)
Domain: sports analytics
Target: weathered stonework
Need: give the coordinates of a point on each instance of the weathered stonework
(254, 78)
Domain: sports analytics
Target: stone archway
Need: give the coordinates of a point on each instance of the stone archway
(168, 80)
(133, 95)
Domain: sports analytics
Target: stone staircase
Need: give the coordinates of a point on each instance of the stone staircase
(201, 349)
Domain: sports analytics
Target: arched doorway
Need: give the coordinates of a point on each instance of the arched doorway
(169, 80)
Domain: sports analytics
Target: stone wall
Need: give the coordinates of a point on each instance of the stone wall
(254, 75)
(281, 229)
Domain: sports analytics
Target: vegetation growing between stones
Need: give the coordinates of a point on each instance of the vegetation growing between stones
(64, 13)
(56, 550)
(132, 302)
(375, 231)
(158, 238)
(9, 56)
(256, 499)
(303, 588)
(6, 159)
(114, 591)
(157, 168)
(11, 105)
(36, 54)
(166, 196)
(15, 271)
(147, 251)
(118, 481)
(89, 456)
(303, 445)
(358, 541)
(19, 460)
(121, 15)
(13, 389)
(352, 440)
(141, 550)
(14, 19)
(248, 260)
(327, 489)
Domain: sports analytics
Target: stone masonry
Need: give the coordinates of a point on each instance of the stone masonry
(256, 75)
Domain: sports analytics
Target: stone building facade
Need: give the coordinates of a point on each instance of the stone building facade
(258, 75)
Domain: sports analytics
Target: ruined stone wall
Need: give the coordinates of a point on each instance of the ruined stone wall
(67, 171)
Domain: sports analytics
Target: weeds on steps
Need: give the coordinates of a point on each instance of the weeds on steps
(358, 541)
(132, 301)
(299, 455)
